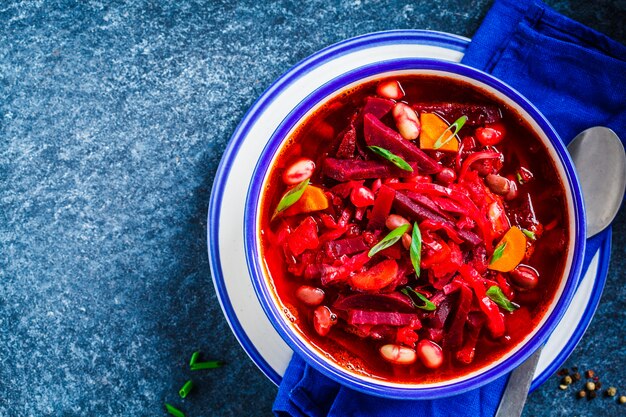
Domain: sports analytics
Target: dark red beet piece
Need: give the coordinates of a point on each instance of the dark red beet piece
(382, 208)
(353, 169)
(337, 248)
(378, 134)
(381, 317)
(380, 302)
(466, 354)
(347, 144)
(454, 338)
(377, 106)
(477, 115)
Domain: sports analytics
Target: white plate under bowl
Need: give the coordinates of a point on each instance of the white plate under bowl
(225, 233)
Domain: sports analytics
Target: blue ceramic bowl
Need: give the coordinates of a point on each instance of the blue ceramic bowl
(262, 281)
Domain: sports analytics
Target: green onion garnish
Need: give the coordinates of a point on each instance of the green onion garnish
(174, 411)
(497, 296)
(530, 235)
(194, 358)
(290, 197)
(497, 254)
(415, 296)
(457, 125)
(206, 365)
(416, 249)
(184, 391)
(388, 240)
(394, 159)
(519, 178)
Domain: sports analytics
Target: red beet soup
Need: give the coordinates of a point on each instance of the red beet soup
(414, 229)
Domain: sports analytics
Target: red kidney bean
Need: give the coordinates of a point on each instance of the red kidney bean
(362, 196)
(524, 276)
(399, 355)
(394, 221)
(491, 134)
(498, 184)
(323, 320)
(430, 353)
(446, 176)
(390, 89)
(312, 296)
(407, 122)
(298, 171)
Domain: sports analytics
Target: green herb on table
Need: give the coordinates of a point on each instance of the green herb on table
(174, 411)
(206, 365)
(184, 391)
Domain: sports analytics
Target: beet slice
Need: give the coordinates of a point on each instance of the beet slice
(379, 302)
(382, 208)
(476, 114)
(454, 338)
(347, 145)
(413, 209)
(348, 246)
(381, 317)
(378, 134)
(353, 169)
(377, 106)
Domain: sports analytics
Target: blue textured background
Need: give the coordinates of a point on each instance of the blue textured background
(113, 119)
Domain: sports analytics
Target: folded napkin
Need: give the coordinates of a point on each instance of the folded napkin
(575, 76)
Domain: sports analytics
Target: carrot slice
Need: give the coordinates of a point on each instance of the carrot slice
(512, 247)
(313, 199)
(433, 127)
(375, 278)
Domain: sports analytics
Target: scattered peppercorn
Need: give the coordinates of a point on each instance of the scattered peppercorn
(563, 387)
(576, 376)
(563, 372)
(582, 393)
(622, 399)
(567, 380)
(589, 373)
(575, 368)
(592, 395)
(590, 386)
(596, 378)
(598, 385)
(611, 391)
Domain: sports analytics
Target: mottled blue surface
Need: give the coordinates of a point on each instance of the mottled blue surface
(113, 119)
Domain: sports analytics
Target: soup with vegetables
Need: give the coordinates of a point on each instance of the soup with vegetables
(414, 229)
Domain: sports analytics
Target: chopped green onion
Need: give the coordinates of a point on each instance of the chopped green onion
(457, 125)
(530, 235)
(519, 178)
(184, 391)
(497, 254)
(497, 296)
(388, 240)
(413, 295)
(194, 358)
(394, 159)
(174, 411)
(206, 365)
(416, 249)
(290, 197)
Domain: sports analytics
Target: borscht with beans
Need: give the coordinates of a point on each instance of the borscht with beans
(414, 229)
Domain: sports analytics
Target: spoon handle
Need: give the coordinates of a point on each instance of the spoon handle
(516, 390)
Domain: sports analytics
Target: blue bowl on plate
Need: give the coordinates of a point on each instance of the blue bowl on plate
(576, 245)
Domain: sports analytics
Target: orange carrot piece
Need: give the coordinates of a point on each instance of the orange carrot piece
(313, 199)
(433, 127)
(513, 252)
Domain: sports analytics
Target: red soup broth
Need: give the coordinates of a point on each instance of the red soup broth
(318, 261)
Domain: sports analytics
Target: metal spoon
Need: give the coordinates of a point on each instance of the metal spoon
(600, 163)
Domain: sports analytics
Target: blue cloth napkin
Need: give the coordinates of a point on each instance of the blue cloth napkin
(575, 76)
